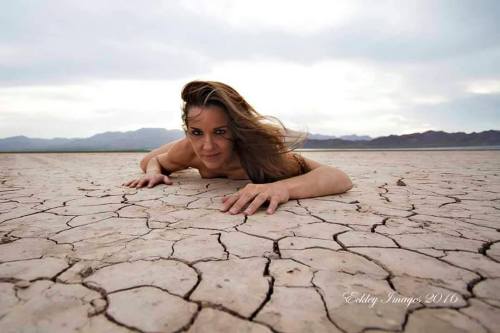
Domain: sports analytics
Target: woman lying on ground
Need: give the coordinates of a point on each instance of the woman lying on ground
(226, 137)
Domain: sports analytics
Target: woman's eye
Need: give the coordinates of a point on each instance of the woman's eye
(196, 132)
(221, 131)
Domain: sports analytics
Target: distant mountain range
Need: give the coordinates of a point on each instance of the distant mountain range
(142, 139)
(429, 139)
(343, 137)
(149, 138)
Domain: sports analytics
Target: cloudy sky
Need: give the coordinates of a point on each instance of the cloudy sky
(77, 68)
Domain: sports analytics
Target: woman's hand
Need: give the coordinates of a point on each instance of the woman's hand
(150, 179)
(275, 193)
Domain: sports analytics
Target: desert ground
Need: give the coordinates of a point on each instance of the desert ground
(413, 247)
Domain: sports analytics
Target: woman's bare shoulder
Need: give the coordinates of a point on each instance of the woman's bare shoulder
(178, 157)
(182, 153)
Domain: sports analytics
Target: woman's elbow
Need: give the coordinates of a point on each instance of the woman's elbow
(349, 184)
(345, 183)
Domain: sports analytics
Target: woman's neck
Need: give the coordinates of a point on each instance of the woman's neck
(233, 165)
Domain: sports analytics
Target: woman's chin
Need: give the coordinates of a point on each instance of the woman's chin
(213, 164)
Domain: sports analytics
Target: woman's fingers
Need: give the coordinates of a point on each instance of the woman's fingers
(256, 203)
(149, 181)
(230, 200)
(130, 182)
(142, 182)
(273, 205)
(160, 180)
(245, 197)
(167, 180)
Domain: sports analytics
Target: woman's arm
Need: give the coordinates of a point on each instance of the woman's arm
(152, 177)
(160, 150)
(320, 180)
(177, 157)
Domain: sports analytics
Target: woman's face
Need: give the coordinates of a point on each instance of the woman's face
(209, 133)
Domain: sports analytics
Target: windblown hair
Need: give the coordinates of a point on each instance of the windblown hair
(260, 141)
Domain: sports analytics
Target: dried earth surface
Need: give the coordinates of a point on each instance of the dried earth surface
(413, 247)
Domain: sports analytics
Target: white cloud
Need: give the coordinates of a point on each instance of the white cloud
(483, 87)
(331, 67)
(429, 100)
(87, 108)
(375, 125)
(295, 16)
(331, 97)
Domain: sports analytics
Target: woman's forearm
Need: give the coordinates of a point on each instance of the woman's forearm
(323, 180)
(153, 166)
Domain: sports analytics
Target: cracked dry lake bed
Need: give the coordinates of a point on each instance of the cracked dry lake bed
(413, 247)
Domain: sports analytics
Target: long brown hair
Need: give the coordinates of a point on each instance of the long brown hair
(260, 141)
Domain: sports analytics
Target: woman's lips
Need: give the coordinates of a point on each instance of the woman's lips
(211, 156)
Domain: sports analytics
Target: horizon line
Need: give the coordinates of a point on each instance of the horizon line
(176, 129)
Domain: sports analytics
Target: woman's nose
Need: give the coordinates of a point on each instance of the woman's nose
(208, 142)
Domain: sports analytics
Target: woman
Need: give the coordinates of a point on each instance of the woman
(226, 137)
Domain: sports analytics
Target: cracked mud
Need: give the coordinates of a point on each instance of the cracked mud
(413, 247)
